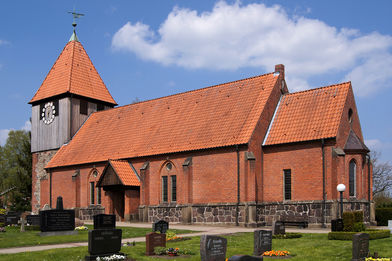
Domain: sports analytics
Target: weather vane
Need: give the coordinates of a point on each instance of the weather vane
(75, 15)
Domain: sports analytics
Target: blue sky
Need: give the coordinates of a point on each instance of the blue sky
(148, 49)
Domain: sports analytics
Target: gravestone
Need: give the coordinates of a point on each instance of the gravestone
(390, 225)
(213, 248)
(12, 218)
(33, 220)
(337, 224)
(245, 258)
(262, 241)
(154, 240)
(278, 228)
(104, 221)
(58, 219)
(104, 242)
(360, 246)
(161, 226)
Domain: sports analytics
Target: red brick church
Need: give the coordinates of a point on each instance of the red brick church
(243, 152)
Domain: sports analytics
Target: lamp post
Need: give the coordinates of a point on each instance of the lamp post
(341, 188)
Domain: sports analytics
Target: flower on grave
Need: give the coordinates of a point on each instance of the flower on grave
(377, 259)
(81, 228)
(276, 253)
(172, 251)
(111, 258)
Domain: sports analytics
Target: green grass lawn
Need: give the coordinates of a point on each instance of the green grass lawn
(14, 238)
(309, 247)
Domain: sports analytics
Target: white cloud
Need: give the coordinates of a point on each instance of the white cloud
(3, 136)
(374, 144)
(27, 126)
(234, 36)
(4, 132)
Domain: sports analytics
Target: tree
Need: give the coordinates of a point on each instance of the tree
(382, 175)
(15, 170)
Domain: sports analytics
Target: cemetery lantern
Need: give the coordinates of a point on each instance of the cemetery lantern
(341, 188)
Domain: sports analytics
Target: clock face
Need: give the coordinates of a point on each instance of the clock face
(48, 113)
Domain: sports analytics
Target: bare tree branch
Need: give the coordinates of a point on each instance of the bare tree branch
(382, 174)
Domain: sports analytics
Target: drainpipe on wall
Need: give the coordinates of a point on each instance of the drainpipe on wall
(50, 188)
(324, 199)
(238, 185)
(368, 163)
(70, 117)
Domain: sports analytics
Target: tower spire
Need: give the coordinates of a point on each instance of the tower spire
(75, 16)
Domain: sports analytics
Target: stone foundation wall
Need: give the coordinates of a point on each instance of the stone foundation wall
(252, 214)
(170, 213)
(87, 213)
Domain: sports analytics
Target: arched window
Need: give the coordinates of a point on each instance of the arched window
(350, 115)
(169, 182)
(352, 178)
(95, 192)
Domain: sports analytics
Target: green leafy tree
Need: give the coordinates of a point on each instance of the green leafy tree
(15, 170)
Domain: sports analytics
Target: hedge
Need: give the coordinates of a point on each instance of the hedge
(373, 234)
(383, 215)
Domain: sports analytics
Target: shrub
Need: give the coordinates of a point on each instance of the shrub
(383, 215)
(348, 221)
(358, 216)
(373, 234)
(358, 227)
(287, 236)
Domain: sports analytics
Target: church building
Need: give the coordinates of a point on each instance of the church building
(245, 153)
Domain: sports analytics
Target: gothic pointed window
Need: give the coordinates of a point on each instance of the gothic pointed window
(352, 178)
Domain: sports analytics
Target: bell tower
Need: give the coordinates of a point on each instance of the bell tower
(71, 91)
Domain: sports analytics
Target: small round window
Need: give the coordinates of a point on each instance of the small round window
(95, 173)
(350, 115)
(169, 166)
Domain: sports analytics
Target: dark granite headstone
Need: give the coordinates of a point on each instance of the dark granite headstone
(59, 203)
(161, 226)
(360, 246)
(2, 220)
(337, 224)
(33, 220)
(12, 218)
(104, 241)
(213, 248)
(278, 228)
(57, 220)
(104, 221)
(154, 240)
(245, 258)
(262, 241)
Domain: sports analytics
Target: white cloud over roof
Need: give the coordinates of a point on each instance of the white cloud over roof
(233, 36)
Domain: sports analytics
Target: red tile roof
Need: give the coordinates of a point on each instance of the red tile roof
(216, 116)
(125, 172)
(73, 72)
(308, 115)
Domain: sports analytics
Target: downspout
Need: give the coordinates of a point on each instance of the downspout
(368, 157)
(324, 199)
(50, 188)
(238, 186)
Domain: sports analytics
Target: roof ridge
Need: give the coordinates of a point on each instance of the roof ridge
(318, 88)
(71, 67)
(190, 91)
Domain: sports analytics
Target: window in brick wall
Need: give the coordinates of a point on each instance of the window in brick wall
(99, 195)
(92, 187)
(100, 107)
(352, 178)
(173, 188)
(164, 188)
(287, 184)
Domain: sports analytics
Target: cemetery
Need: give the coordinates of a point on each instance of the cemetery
(160, 241)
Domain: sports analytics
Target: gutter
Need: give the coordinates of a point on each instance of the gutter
(50, 188)
(368, 157)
